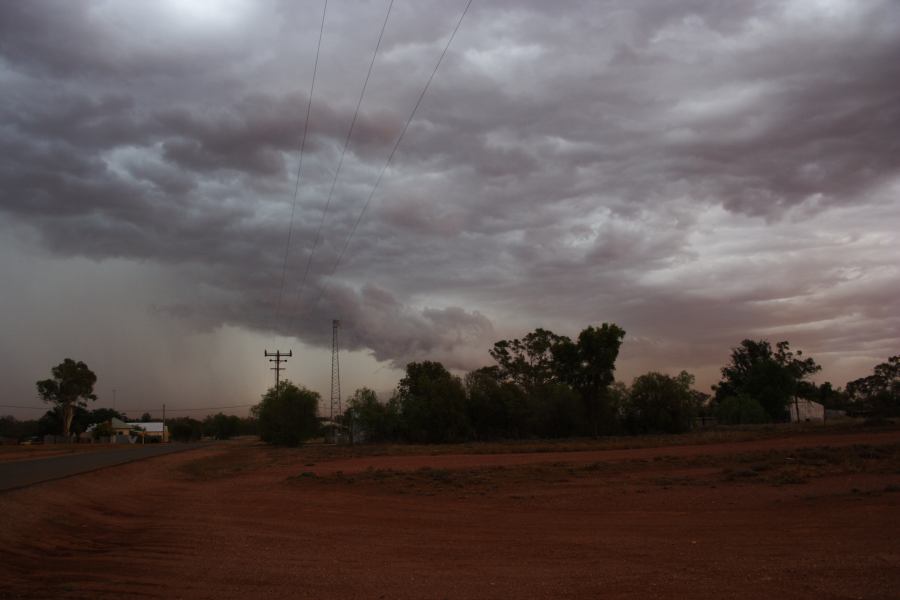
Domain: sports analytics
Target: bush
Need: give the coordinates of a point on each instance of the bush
(659, 403)
(185, 429)
(741, 410)
(288, 416)
(375, 421)
(222, 426)
(432, 404)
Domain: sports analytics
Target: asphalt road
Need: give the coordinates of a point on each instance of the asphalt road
(21, 473)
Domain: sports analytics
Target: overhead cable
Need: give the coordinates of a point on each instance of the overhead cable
(287, 248)
(337, 171)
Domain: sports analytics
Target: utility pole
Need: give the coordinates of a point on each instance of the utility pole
(279, 357)
(164, 425)
(335, 370)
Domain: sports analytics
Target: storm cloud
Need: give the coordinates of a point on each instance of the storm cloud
(694, 171)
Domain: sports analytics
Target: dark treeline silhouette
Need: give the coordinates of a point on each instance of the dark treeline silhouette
(181, 429)
(542, 386)
(549, 386)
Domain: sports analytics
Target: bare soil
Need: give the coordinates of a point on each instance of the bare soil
(805, 516)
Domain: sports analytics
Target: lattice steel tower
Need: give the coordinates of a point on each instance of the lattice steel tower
(335, 370)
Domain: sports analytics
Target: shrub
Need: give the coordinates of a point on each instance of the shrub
(287, 416)
(741, 410)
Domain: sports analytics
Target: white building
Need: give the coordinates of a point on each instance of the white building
(808, 410)
(151, 429)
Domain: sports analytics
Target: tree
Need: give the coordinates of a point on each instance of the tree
(588, 366)
(659, 403)
(72, 386)
(558, 410)
(880, 391)
(543, 358)
(529, 361)
(827, 395)
(101, 430)
(10, 427)
(772, 378)
(221, 426)
(101, 415)
(185, 429)
(485, 406)
(378, 422)
(288, 415)
(432, 404)
(740, 410)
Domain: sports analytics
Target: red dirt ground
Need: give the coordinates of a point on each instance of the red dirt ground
(802, 517)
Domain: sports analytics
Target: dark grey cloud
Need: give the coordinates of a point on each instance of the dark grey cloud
(697, 171)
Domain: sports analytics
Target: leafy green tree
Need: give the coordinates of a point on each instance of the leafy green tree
(10, 427)
(826, 394)
(520, 406)
(529, 361)
(101, 415)
(288, 415)
(771, 377)
(432, 404)
(185, 429)
(880, 391)
(72, 386)
(558, 410)
(485, 405)
(660, 403)
(51, 422)
(740, 410)
(221, 426)
(378, 422)
(588, 365)
(101, 430)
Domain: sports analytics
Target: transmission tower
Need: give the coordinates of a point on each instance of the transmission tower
(335, 371)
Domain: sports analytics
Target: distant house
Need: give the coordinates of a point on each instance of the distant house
(151, 429)
(119, 427)
(123, 433)
(805, 410)
(118, 432)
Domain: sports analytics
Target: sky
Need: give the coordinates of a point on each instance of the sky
(696, 172)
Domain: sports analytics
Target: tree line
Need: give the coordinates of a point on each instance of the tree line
(181, 429)
(546, 385)
(542, 385)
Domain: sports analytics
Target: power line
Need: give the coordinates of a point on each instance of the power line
(337, 171)
(312, 88)
(279, 357)
(399, 139)
(193, 409)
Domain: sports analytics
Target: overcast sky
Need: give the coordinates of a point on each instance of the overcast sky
(697, 172)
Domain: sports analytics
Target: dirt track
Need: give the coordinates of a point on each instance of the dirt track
(749, 520)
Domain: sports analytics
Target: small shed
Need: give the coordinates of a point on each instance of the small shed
(805, 410)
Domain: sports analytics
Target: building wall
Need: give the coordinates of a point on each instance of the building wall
(809, 411)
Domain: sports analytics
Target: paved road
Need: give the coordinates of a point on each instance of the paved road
(21, 473)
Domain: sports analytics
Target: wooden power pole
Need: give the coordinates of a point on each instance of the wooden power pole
(278, 357)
